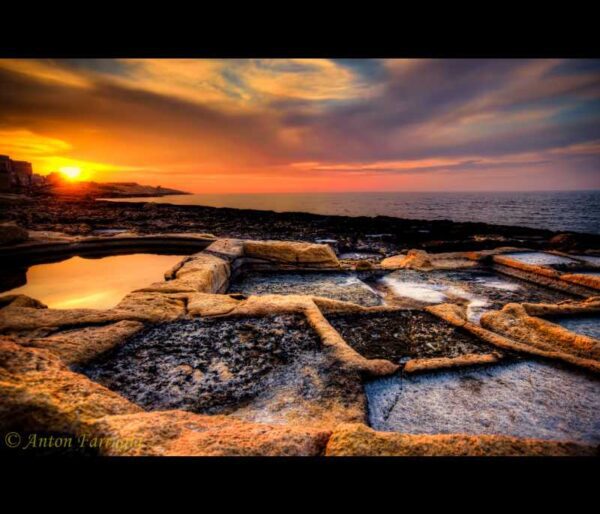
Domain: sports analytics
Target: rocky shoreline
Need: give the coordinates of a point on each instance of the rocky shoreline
(382, 235)
(213, 360)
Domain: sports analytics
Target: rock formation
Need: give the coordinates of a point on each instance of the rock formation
(301, 396)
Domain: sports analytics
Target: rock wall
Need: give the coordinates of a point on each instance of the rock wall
(15, 176)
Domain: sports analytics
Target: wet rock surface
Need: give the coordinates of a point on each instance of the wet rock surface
(479, 289)
(204, 366)
(338, 286)
(557, 262)
(404, 335)
(523, 399)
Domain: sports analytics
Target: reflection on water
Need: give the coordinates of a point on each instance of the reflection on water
(93, 283)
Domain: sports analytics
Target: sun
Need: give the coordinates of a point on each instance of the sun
(71, 172)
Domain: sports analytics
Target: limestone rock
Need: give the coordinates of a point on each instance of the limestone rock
(204, 304)
(423, 261)
(229, 249)
(149, 306)
(291, 252)
(542, 337)
(545, 271)
(418, 365)
(16, 318)
(204, 273)
(186, 434)
(591, 281)
(39, 393)
(360, 440)
(78, 346)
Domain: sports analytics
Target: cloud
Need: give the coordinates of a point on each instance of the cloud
(298, 123)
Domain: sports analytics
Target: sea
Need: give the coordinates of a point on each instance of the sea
(577, 211)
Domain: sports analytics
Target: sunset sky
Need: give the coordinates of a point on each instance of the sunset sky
(244, 126)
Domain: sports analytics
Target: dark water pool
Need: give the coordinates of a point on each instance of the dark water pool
(79, 282)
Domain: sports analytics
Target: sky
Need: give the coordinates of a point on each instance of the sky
(308, 125)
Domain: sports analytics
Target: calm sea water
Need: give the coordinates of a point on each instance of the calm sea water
(573, 210)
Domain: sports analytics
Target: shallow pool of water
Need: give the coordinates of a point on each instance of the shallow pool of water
(539, 258)
(93, 283)
(479, 289)
(586, 325)
(338, 286)
(522, 399)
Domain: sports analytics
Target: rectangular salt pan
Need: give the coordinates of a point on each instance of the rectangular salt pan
(539, 258)
(337, 286)
(521, 399)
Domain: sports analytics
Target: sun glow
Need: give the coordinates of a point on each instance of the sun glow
(71, 172)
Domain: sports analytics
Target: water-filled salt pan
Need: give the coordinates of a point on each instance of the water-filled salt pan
(415, 290)
(479, 289)
(338, 286)
(539, 258)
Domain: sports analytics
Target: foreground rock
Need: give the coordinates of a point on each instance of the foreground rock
(257, 374)
(359, 440)
(290, 252)
(542, 337)
(178, 433)
(519, 399)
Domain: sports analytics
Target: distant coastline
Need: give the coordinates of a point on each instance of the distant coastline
(576, 211)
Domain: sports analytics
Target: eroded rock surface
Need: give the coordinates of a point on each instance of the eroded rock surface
(359, 440)
(338, 286)
(179, 433)
(404, 335)
(421, 260)
(540, 335)
(202, 365)
(292, 252)
(39, 393)
(477, 289)
(521, 399)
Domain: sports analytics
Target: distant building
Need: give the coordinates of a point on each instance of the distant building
(15, 176)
